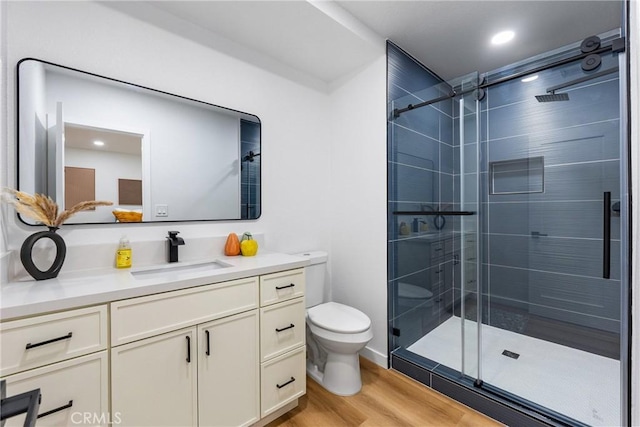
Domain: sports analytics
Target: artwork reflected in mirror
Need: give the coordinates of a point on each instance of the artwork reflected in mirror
(158, 156)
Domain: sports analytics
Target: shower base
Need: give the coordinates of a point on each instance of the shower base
(578, 384)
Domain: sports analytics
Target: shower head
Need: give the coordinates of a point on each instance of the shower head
(552, 97)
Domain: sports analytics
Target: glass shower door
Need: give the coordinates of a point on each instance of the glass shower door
(467, 251)
(434, 223)
(552, 283)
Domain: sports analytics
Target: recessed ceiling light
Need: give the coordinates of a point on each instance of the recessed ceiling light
(503, 37)
(98, 143)
(529, 79)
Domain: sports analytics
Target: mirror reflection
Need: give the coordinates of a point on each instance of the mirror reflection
(156, 156)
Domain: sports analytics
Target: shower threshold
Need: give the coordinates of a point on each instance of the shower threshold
(578, 384)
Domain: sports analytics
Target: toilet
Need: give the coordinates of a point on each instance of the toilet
(335, 334)
(412, 296)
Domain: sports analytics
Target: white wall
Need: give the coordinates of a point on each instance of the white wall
(295, 143)
(359, 199)
(109, 168)
(4, 254)
(34, 127)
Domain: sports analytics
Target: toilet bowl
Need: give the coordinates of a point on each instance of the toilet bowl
(339, 332)
(335, 334)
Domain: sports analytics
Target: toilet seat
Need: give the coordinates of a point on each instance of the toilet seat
(409, 291)
(338, 318)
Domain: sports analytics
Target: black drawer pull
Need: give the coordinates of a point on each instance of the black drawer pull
(53, 411)
(285, 328)
(188, 349)
(285, 287)
(285, 384)
(66, 337)
(208, 352)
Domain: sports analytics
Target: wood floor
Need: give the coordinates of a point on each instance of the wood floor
(387, 399)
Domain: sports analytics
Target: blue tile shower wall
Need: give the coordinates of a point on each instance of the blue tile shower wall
(250, 173)
(554, 276)
(559, 274)
(420, 177)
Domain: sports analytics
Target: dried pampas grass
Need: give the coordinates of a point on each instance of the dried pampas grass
(43, 209)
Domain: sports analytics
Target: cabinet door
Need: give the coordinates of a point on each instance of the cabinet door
(73, 392)
(153, 381)
(228, 371)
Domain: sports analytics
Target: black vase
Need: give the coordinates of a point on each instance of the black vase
(27, 259)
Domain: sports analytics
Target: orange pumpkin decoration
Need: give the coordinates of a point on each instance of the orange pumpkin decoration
(232, 247)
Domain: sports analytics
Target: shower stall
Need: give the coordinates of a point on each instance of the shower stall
(508, 234)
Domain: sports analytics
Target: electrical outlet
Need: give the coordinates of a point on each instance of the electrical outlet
(162, 210)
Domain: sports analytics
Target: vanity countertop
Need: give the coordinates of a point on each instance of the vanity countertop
(82, 288)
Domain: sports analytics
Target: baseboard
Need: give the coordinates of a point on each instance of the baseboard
(375, 356)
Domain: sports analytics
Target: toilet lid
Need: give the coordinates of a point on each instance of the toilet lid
(407, 290)
(338, 318)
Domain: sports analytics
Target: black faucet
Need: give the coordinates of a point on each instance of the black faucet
(173, 241)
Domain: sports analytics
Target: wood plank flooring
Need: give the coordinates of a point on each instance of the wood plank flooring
(387, 399)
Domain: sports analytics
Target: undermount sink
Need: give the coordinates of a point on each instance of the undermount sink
(179, 268)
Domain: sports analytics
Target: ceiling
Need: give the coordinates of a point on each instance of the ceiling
(83, 137)
(320, 43)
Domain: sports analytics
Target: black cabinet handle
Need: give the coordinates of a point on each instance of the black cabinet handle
(606, 235)
(66, 337)
(53, 411)
(285, 384)
(285, 328)
(188, 349)
(285, 287)
(208, 352)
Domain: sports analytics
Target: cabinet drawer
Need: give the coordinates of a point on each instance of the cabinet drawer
(74, 392)
(143, 317)
(281, 286)
(282, 328)
(283, 380)
(42, 340)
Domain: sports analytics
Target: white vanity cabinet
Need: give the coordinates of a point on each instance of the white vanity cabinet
(65, 356)
(230, 353)
(282, 340)
(205, 374)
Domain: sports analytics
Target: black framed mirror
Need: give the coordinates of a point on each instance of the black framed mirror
(157, 156)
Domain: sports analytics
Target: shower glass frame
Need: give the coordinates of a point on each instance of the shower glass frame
(471, 332)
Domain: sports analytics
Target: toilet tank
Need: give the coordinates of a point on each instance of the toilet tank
(315, 277)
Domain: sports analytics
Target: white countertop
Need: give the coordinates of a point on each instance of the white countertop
(82, 288)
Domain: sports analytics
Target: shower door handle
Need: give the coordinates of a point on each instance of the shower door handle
(606, 236)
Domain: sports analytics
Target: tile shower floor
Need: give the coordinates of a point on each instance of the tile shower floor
(581, 385)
